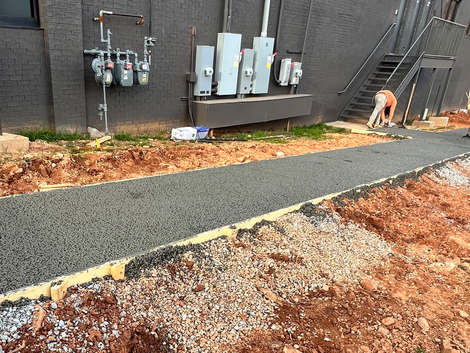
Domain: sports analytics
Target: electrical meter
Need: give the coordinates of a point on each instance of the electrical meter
(295, 73)
(208, 71)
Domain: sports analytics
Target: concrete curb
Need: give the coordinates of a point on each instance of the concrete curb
(57, 288)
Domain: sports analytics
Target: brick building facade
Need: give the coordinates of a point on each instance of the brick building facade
(48, 81)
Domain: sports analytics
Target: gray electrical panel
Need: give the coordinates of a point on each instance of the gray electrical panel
(245, 73)
(204, 70)
(284, 74)
(295, 73)
(227, 62)
(263, 48)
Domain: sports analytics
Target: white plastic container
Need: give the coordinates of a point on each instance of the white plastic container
(184, 134)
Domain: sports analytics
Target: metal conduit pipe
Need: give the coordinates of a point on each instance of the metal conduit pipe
(414, 24)
(224, 26)
(229, 20)
(296, 87)
(264, 27)
(306, 31)
(191, 70)
(401, 15)
(427, 11)
(276, 43)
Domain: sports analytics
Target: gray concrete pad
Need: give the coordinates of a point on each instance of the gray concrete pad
(45, 235)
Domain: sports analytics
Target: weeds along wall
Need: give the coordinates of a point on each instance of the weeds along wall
(51, 82)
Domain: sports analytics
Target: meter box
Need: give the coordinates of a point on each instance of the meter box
(263, 48)
(295, 73)
(141, 73)
(204, 70)
(123, 74)
(284, 74)
(103, 71)
(245, 73)
(227, 63)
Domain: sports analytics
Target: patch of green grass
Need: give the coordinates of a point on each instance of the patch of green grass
(316, 132)
(420, 350)
(242, 136)
(122, 136)
(52, 136)
(260, 134)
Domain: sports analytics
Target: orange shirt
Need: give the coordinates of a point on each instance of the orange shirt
(391, 102)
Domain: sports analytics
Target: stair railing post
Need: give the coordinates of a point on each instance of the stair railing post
(431, 85)
(410, 99)
(446, 87)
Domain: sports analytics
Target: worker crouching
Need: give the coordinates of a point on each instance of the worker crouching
(384, 101)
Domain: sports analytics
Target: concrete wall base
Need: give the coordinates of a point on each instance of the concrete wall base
(424, 125)
(10, 143)
(439, 121)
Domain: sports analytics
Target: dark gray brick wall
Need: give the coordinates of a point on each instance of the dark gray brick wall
(62, 22)
(24, 101)
(340, 37)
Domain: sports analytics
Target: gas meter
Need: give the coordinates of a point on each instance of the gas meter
(103, 71)
(141, 73)
(123, 74)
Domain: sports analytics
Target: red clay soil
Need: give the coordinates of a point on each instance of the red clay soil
(423, 290)
(100, 308)
(458, 119)
(49, 164)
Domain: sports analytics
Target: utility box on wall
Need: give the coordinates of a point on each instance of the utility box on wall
(245, 73)
(227, 62)
(204, 70)
(263, 48)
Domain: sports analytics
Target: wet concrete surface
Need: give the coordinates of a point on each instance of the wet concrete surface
(49, 234)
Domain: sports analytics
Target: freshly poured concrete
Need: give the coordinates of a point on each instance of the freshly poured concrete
(45, 235)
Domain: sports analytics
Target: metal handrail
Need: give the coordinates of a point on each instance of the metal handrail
(416, 42)
(367, 60)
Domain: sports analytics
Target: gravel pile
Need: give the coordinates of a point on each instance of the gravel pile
(210, 300)
(12, 319)
(452, 176)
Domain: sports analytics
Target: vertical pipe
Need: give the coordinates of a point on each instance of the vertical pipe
(306, 31)
(224, 26)
(446, 87)
(276, 43)
(431, 85)
(413, 23)
(401, 15)
(105, 109)
(229, 19)
(1, 126)
(424, 20)
(264, 27)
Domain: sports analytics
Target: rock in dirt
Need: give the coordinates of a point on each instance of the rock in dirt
(423, 323)
(368, 284)
(382, 331)
(388, 321)
(280, 154)
(446, 347)
(39, 316)
(463, 314)
(199, 288)
(290, 349)
(364, 349)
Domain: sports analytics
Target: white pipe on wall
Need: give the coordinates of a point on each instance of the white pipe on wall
(264, 28)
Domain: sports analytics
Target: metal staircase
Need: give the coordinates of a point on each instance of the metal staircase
(360, 106)
(435, 48)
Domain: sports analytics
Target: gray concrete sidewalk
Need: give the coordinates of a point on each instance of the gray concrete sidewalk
(45, 235)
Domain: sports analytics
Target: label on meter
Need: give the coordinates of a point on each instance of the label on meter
(236, 59)
(108, 78)
(126, 75)
(144, 77)
(270, 61)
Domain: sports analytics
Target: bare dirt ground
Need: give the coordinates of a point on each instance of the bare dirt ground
(457, 120)
(49, 164)
(381, 270)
